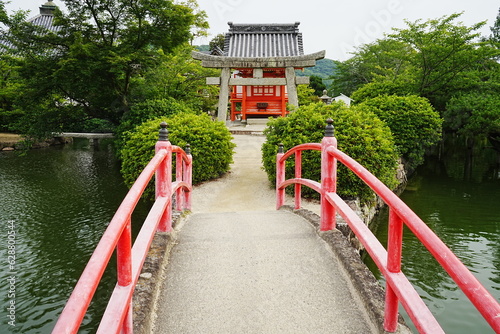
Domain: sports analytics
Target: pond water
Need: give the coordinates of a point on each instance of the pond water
(55, 205)
(457, 193)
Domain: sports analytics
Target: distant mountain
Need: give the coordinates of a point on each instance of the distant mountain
(324, 69)
(202, 48)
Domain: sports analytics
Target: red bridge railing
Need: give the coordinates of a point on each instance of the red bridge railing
(398, 287)
(117, 317)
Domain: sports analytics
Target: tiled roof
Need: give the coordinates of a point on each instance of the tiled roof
(44, 20)
(263, 40)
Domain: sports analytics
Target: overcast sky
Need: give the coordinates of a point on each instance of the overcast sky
(334, 26)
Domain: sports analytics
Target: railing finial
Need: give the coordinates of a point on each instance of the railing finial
(163, 132)
(280, 148)
(329, 129)
(188, 149)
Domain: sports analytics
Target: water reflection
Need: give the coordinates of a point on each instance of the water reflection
(457, 194)
(60, 201)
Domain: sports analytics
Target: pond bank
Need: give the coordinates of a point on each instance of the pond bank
(14, 142)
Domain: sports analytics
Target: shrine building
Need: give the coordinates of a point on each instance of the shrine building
(258, 66)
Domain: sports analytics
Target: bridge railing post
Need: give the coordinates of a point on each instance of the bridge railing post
(124, 267)
(394, 253)
(188, 177)
(179, 174)
(163, 177)
(298, 175)
(328, 178)
(280, 177)
(184, 172)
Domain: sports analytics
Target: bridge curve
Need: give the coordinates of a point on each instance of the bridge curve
(254, 231)
(256, 272)
(240, 266)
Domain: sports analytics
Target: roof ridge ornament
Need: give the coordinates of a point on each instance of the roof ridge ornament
(48, 8)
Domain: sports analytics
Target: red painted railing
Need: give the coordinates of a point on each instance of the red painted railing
(398, 288)
(118, 315)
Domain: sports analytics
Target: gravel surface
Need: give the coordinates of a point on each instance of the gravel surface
(241, 266)
(245, 187)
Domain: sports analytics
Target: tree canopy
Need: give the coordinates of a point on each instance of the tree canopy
(441, 59)
(94, 58)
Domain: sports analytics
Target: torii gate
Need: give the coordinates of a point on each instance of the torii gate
(265, 55)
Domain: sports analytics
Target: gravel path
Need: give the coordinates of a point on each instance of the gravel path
(245, 187)
(241, 266)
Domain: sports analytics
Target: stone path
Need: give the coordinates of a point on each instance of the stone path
(241, 266)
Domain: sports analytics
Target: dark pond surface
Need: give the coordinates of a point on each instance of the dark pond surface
(58, 202)
(457, 193)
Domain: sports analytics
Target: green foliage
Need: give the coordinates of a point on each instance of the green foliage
(474, 114)
(217, 41)
(381, 86)
(96, 125)
(38, 119)
(495, 31)
(10, 85)
(177, 75)
(317, 84)
(98, 54)
(415, 125)
(444, 51)
(359, 134)
(434, 59)
(147, 110)
(210, 141)
(381, 59)
(306, 95)
(202, 48)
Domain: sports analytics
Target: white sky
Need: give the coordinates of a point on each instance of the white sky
(334, 26)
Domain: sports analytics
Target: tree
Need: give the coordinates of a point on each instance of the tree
(217, 41)
(382, 86)
(178, 76)
(99, 51)
(495, 31)
(3, 14)
(474, 114)
(10, 85)
(415, 125)
(306, 95)
(317, 84)
(444, 53)
(384, 58)
(434, 59)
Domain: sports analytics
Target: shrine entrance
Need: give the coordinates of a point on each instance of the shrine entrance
(259, 101)
(258, 70)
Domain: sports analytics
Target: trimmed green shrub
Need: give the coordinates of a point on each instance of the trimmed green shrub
(361, 135)
(380, 87)
(146, 110)
(210, 141)
(414, 123)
